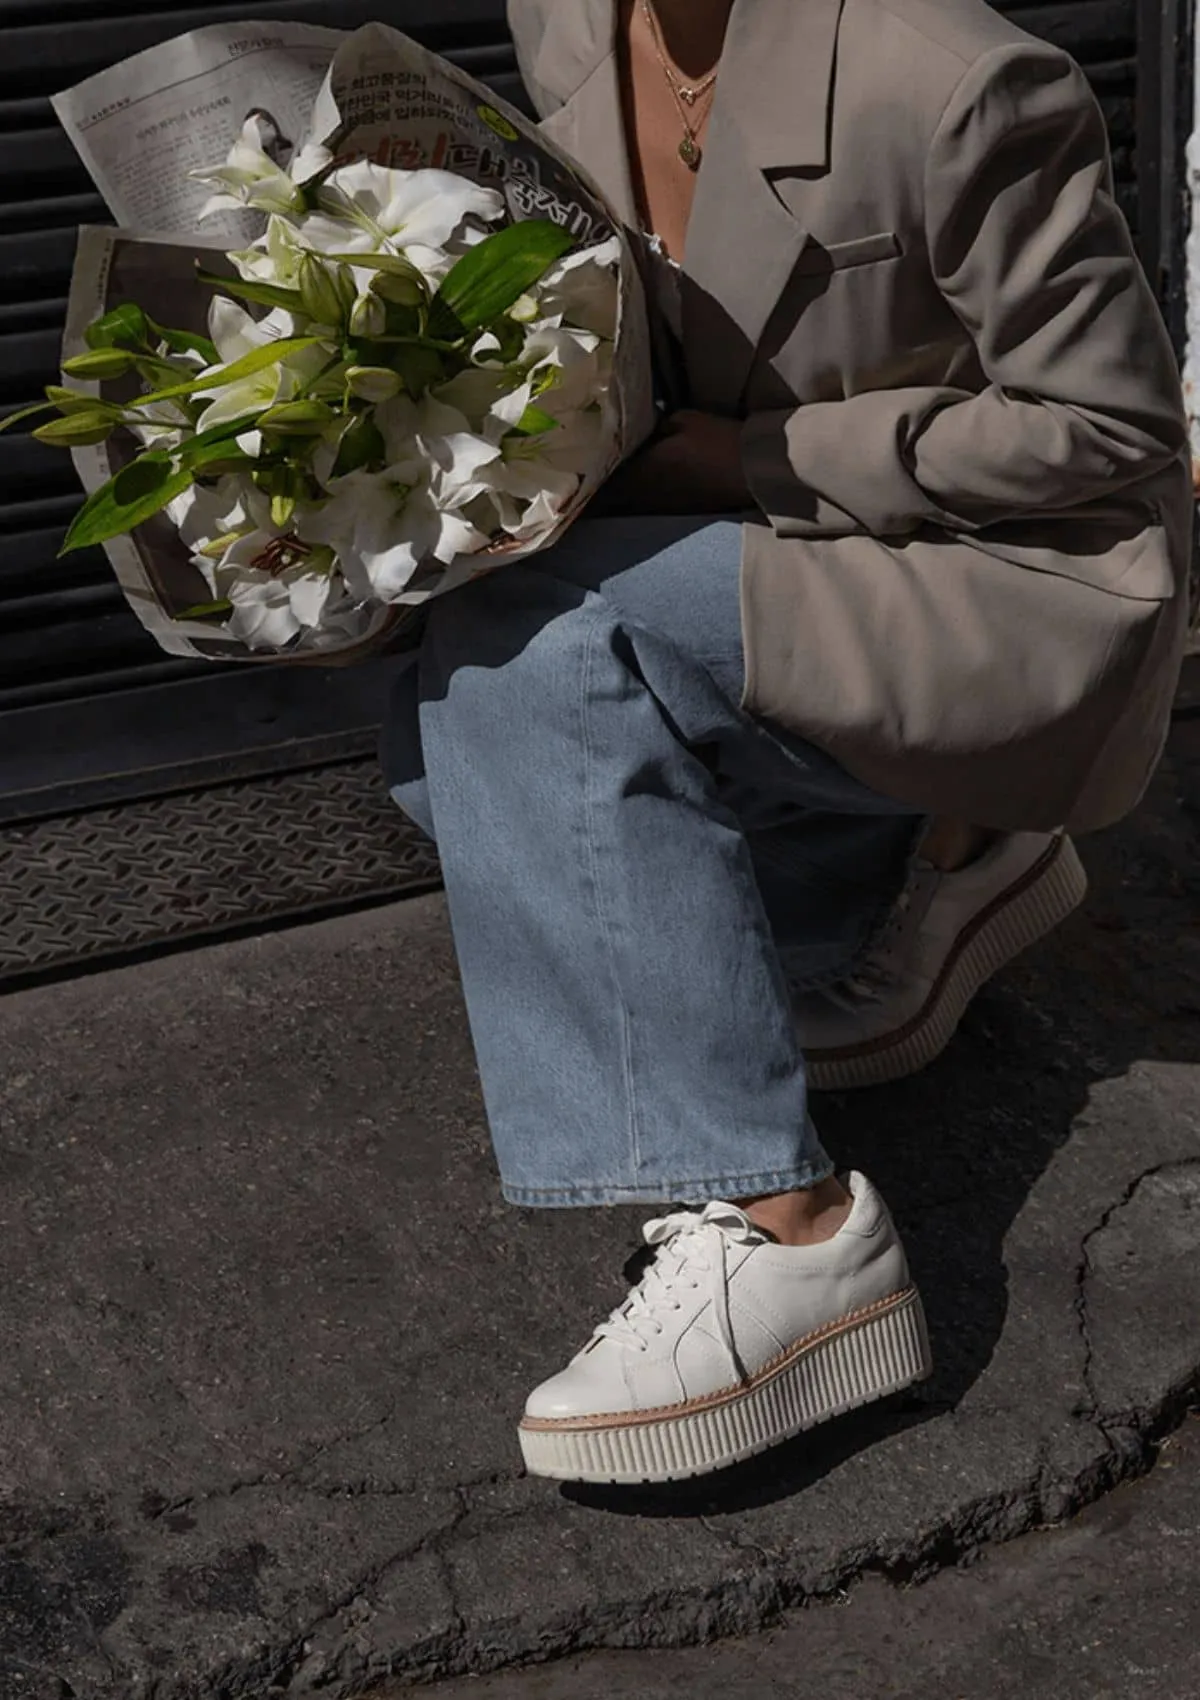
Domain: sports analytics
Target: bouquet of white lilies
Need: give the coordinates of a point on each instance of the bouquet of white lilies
(399, 385)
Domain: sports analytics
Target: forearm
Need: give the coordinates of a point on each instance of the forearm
(694, 466)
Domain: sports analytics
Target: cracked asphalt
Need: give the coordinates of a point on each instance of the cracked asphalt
(266, 1323)
(1103, 1608)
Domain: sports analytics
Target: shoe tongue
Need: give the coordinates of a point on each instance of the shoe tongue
(734, 1222)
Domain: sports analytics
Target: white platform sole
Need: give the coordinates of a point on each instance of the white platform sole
(1019, 917)
(862, 1358)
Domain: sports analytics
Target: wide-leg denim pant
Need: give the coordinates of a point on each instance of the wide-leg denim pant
(629, 859)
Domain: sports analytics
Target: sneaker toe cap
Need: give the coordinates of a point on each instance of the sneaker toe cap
(583, 1389)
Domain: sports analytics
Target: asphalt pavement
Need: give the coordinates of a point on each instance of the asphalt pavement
(266, 1327)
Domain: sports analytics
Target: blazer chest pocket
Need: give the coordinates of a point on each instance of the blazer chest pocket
(818, 259)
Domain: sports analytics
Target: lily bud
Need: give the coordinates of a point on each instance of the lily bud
(373, 383)
(76, 430)
(369, 317)
(401, 288)
(297, 418)
(78, 401)
(100, 363)
(323, 300)
(524, 310)
(284, 486)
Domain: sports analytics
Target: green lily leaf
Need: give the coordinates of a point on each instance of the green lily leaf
(206, 610)
(125, 327)
(262, 294)
(495, 274)
(256, 361)
(210, 460)
(185, 342)
(136, 494)
(217, 434)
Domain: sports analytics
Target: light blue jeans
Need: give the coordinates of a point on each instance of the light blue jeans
(625, 851)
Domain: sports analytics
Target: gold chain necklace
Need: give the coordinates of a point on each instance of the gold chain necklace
(685, 94)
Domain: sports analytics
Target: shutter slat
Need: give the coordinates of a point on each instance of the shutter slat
(42, 57)
(28, 565)
(27, 363)
(34, 467)
(33, 262)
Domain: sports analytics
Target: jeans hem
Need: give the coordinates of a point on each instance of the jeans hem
(728, 1187)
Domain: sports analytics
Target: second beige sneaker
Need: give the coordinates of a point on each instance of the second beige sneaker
(948, 935)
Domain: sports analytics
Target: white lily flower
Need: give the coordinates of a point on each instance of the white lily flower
(584, 289)
(475, 391)
(236, 334)
(250, 177)
(309, 161)
(205, 512)
(275, 258)
(537, 478)
(367, 208)
(264, 615)
(383, 526)
(578, 363)
(160, 425)
(279, 588)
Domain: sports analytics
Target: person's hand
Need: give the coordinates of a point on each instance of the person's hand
(692, 466)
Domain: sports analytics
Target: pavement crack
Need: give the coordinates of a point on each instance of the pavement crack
(733, 1542)
(1091, 1412)
(289, 1476)
(296, 1663)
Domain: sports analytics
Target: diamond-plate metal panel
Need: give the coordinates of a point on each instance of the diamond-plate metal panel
(119, 881)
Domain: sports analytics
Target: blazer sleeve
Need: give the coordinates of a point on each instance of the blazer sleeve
(1028, 247)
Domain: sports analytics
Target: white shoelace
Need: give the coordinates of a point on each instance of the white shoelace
(692, 1247)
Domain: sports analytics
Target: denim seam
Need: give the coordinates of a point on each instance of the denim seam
(600, 619)
(801, 1177)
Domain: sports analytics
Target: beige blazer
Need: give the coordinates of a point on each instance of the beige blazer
(963, 421)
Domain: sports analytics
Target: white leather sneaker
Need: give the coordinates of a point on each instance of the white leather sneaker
(949, 934)
(729, 1344)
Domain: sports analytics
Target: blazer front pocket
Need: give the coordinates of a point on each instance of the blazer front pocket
(818, 257)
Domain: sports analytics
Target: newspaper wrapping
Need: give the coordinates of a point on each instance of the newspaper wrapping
(142, 126)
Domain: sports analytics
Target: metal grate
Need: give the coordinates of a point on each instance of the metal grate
(91, 889)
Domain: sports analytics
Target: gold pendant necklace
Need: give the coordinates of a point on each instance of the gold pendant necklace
(685, 94)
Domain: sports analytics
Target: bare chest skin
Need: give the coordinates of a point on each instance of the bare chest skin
(664, 186)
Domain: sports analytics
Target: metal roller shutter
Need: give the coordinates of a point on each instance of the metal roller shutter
(82, 690)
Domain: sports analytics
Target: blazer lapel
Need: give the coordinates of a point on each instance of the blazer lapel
(772, 113)
(577, 65)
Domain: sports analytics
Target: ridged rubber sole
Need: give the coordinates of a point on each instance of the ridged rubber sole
(861, 1358)
(1029, 909)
